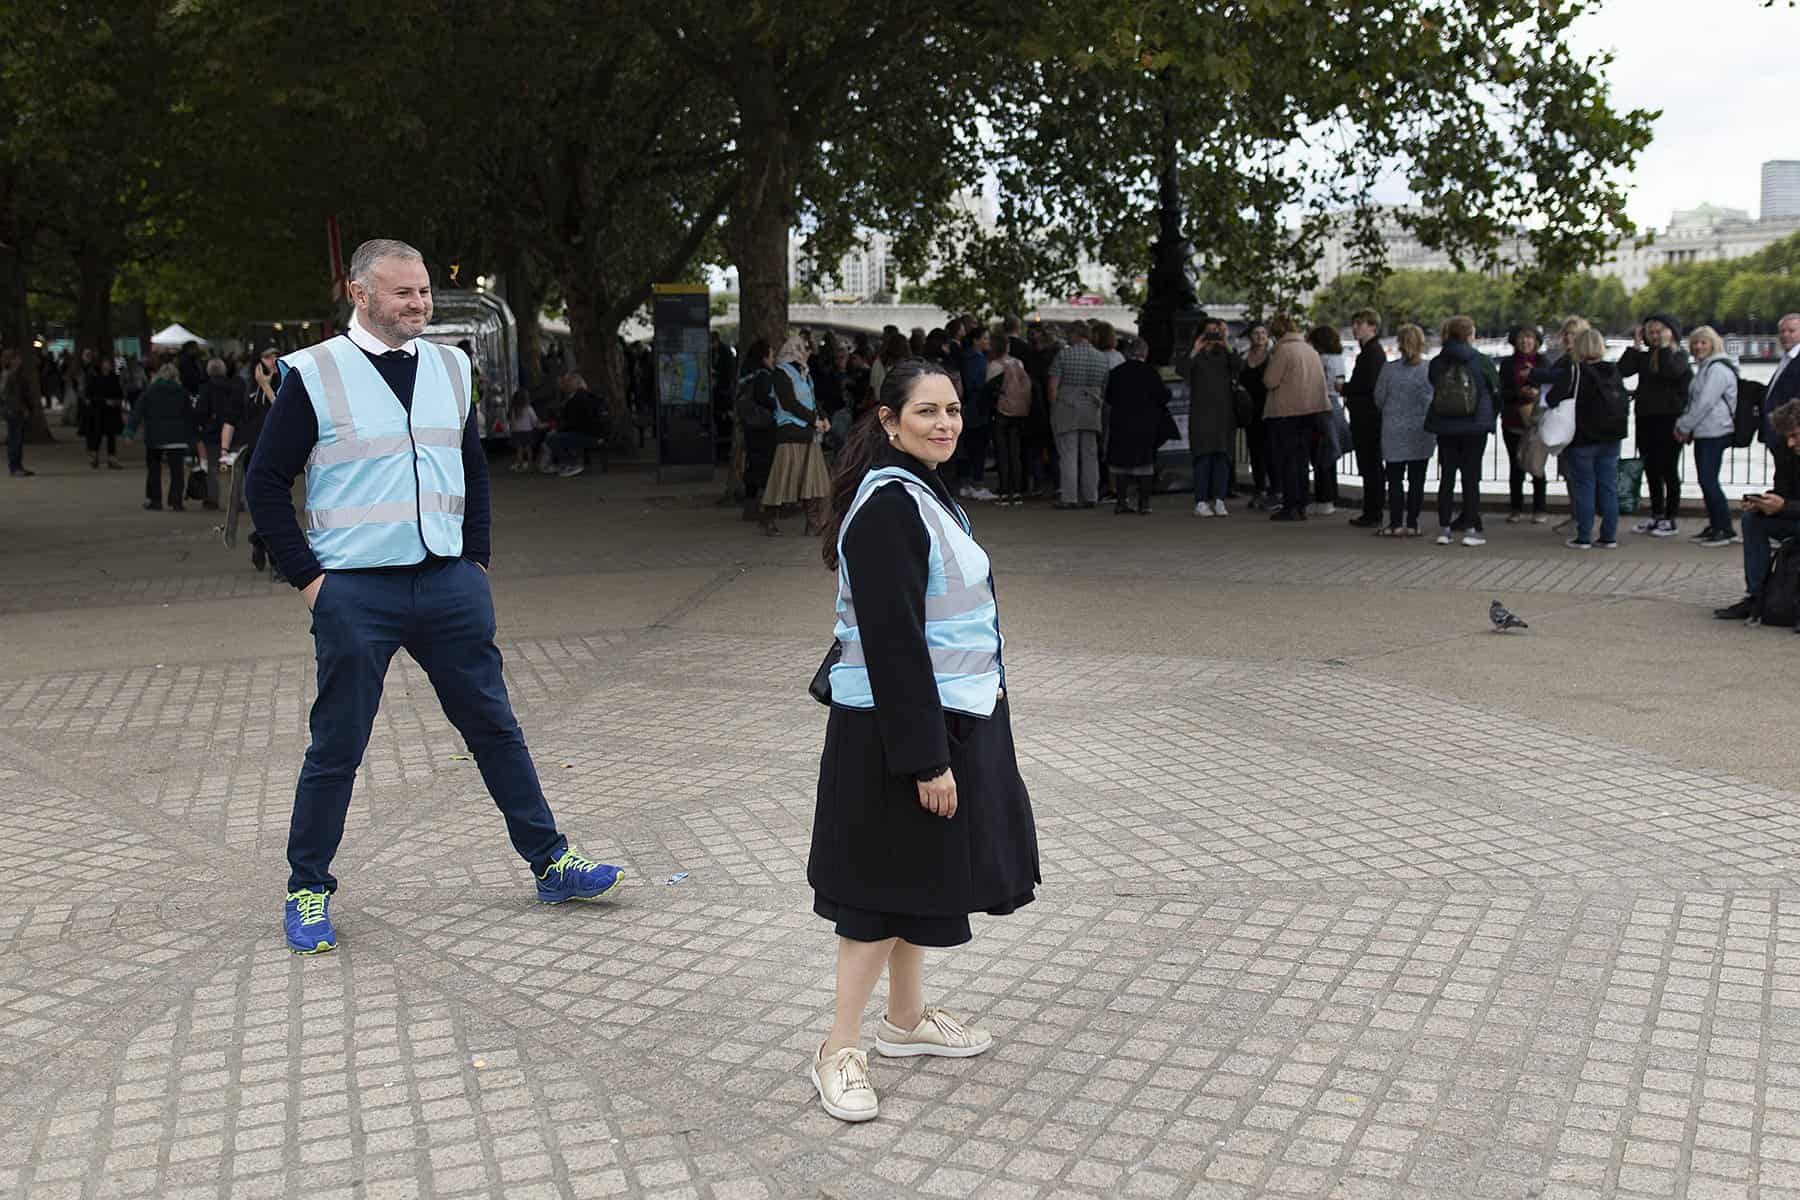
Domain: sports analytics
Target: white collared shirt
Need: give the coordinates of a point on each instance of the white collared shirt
(374, 345)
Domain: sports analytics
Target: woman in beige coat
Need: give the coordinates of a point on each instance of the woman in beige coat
(1296, 381)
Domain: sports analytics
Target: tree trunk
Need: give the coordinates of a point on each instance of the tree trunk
(93, 311)
(525, 296)
(761, 214)
(15, 333)
(600, 358)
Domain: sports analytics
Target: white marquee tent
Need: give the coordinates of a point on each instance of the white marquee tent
(176, 336)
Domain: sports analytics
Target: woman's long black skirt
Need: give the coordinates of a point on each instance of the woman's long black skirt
(882, 866)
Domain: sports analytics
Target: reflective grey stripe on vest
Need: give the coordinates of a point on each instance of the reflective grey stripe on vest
(337, 399)
(438, 437)
(391, 512)
(943, 661)
(326, 454)
(456, 384)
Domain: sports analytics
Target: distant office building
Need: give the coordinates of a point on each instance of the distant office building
(1780, 189)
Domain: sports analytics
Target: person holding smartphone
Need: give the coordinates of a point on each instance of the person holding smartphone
(1769, 517)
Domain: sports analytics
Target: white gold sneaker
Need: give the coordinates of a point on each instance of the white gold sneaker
(843, 1085)
(938, 1033)
(1202, 509)
(1219, 509)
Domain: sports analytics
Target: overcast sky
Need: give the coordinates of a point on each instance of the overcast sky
(1724, 74)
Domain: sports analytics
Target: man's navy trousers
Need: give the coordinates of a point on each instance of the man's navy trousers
(442, 613)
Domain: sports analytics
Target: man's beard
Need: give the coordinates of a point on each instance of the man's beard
(388, 324)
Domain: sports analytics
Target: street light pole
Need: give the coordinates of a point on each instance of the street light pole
(1171, 314)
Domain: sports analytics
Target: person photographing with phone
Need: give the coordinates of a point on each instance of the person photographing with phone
(922, 817)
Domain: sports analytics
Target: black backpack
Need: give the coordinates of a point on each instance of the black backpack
(750, 414)
(1781, 590)
(1746, 422)
(1454, 394)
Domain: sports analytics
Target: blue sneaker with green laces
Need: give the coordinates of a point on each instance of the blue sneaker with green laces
(572, 877)
(308, 922)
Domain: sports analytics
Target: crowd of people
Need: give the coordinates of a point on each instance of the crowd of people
(1076, 415)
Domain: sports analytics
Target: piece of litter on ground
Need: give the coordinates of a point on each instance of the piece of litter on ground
(568, 766)
(677, 877)
(480, 1063)
(462, 758)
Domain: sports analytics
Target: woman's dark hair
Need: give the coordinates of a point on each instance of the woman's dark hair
(521, 400)
(752, 359)
(1325, 340)
(864, 443)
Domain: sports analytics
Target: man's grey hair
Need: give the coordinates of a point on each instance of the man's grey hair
(1786, 317)
(215, 367)
(373, 251)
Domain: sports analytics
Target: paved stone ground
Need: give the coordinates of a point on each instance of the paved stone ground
(1334, 905)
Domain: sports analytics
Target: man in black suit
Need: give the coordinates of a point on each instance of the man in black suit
(1365, 418)
(1773, 516)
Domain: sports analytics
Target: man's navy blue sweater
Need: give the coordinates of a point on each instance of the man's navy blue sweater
(288, 435)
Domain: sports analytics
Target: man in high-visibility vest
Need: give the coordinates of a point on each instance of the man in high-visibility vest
(394, 554)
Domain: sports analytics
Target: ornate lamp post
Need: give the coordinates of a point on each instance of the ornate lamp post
(1171, 314)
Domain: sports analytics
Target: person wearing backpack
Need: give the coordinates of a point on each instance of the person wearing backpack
(1708, 421)
(1591, 459)
(1010, 388)
(1465, 390)
(1773, 517)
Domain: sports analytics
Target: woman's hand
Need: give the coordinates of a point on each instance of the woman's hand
(938, 796)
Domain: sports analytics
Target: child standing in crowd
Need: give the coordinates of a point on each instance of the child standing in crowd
(523, 425)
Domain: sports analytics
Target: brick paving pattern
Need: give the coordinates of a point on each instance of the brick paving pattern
(1274, 955)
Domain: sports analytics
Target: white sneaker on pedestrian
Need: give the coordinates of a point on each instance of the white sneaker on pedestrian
(1646, 526)
(843, 1085)
(938, 1034)
(982, 493)
(1444, 538)
(1540, 518)
(1202, 508)
(1474, 538)
(1219, 509)
(572, 471)
(1665, 528)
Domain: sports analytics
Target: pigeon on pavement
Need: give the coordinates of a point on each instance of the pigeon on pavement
(1502, 619)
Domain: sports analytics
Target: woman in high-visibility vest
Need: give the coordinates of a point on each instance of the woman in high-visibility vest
(922, 816)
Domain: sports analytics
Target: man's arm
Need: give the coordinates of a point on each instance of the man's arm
(476, 506)
(288, 435)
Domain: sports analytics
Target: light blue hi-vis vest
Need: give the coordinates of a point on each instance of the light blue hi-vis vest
(384, 486)
(962, 624)
(803, 394)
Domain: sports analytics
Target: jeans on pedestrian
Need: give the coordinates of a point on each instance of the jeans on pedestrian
(1661, 453)
(443, 615)
(567, 448)
(1762, 532)
(176, 459)
(1212, 476)
(1290, 452)
(1709, 457)
(1325, 462)
(1406, 492)
(209, 454)
(1009, 460)
(1365, 436)
(1261, 479)
(1078, 454)
(1460, 453)
(971, 453)
(15, 444)
(1539, 485)
(1592, 471)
